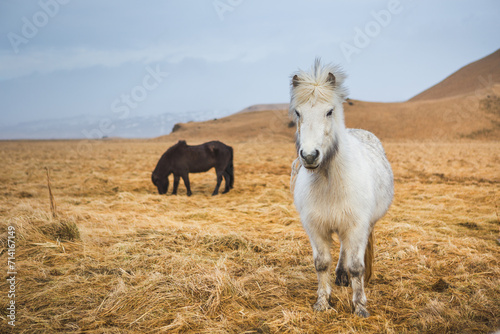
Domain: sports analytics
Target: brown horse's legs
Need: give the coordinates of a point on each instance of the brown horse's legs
(176, 184)
(185, 177)
(219, 180)
(227, 180)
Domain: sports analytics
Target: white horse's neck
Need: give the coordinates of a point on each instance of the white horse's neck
(338, 168)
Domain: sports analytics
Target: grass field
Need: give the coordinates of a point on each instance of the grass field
(119, 258)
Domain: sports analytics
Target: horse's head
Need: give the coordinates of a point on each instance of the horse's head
(160, 183)
(316, 106)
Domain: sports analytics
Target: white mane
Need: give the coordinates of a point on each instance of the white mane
(314, 86)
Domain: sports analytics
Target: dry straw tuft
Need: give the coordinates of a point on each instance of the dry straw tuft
(51, 197)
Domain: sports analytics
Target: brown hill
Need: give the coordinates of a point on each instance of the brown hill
(464, 105)
(460, 117)
(242, 126)
(471, 117)
(473, 77)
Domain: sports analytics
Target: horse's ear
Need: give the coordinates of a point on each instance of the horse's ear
(331, 78)
(295, 80)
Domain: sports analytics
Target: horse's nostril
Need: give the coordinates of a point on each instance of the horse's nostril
(309, 158)
(313, 155)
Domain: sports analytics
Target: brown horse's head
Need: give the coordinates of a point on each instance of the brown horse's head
(160, 182)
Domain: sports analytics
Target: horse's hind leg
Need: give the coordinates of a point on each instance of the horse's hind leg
(219, 181)
(321, 243)
(227, 180)
(355, 246)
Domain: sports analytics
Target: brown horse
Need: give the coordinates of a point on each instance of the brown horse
(182, 159)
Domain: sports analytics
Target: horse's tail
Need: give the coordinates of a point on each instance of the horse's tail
(230, 169)
(369, 255)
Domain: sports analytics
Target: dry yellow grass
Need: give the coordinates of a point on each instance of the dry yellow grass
(241, 262)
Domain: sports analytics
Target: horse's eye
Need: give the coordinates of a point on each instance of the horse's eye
(297, 114)
(329, 113)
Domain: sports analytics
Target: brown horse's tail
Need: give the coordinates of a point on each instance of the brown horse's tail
(230, 170)
(369, 255)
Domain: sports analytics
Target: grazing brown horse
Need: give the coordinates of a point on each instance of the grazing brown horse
(182, 159)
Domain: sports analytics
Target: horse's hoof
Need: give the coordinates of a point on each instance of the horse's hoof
(189, 194)
(321, 305)
(361, 311)
(215, 194)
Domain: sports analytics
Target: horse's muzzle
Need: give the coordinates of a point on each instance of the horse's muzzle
(310, 161)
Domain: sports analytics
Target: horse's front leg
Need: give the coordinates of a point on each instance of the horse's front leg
(321, 243)
(354, 244)
(176, 184)
(185, 177)
(341, 276)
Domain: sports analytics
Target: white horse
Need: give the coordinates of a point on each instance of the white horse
(343, 185)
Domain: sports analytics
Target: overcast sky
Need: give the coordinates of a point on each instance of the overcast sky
(62, 58)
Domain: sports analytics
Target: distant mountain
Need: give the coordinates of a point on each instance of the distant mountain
(96, 127)
(476, 76)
